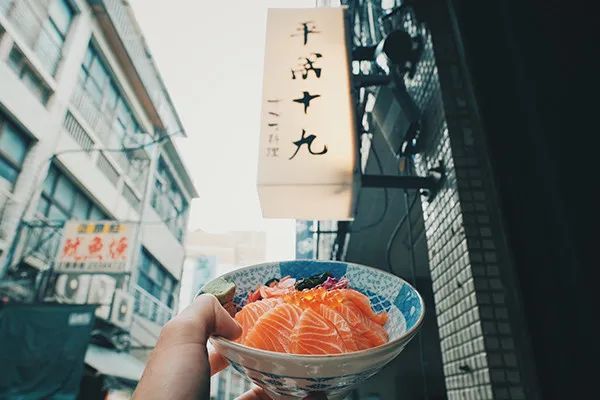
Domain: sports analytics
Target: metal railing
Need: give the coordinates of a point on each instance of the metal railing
(107, 169)
(29, 18)
(74, 128)
(100, 123)
(129, 32)
(150, 307)
(131, 197)
(42, 239)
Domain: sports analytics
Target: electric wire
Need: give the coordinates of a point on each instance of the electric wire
(12, 263)
(386, 199)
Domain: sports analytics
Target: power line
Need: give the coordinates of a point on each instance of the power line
(386, 200)
(122, 149)
(37, 185)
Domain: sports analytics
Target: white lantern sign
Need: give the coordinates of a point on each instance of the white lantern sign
(308, 143)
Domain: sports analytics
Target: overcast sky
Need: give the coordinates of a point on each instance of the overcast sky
(210, 54)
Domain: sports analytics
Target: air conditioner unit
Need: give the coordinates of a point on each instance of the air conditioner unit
(72, 288)
(102, 289)
(122, 309)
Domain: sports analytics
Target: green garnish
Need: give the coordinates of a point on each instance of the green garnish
(313, 281)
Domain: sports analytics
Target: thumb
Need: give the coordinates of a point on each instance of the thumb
(203, 318)
(221, 323)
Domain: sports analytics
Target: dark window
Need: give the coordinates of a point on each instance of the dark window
(155, 279)
(62, 200)
(168, 201)
(13, 149)
(21, 67)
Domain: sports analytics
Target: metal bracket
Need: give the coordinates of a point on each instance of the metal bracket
(359, 81)
(428, 185)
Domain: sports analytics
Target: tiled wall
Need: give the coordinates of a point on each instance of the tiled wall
(469, 265)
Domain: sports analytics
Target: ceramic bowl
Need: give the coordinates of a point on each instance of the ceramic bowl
(287, 376)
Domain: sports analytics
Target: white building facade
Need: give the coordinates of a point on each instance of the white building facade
(77, 86)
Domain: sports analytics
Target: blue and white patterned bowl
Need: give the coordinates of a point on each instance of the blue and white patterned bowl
(291, 376)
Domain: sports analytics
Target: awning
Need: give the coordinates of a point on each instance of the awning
(42, 347)
(112, 363)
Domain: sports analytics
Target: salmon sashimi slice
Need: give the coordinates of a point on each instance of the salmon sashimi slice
(375, 334)
(312, 321)
(366, 332)
(279, 289)
(248, 315)
(313, 334)
(273, 330)
(364, 304)
(353, 316)
(341, 326)
(356, 320)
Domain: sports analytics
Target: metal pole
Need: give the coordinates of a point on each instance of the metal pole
(137, 239)
(413, 269)
(399, 182)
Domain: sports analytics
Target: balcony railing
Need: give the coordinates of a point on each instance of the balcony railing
(101, 125)
(95, 118)
(29, 18)
(42, 239)
(129, 32)
(76, 131)
(150, 307)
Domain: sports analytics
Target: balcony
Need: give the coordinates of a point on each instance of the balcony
(126, 27)
(101, 125)
(41, 240)
(99, 122)
(29, 19)
(150, 308)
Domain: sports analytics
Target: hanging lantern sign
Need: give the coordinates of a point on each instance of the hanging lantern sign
(308, 142)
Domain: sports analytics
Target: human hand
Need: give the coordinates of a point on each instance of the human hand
(180, 366)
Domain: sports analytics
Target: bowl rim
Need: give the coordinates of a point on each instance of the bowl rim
(311, 357)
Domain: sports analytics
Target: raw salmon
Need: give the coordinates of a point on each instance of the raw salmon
(313, 334)
(313, 321)
(341, 326)
(248, 315)
(273, 329)
(364, 304)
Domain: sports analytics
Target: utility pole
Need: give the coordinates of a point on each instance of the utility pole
(154, 151)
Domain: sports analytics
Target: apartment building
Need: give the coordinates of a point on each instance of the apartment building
(85, 134)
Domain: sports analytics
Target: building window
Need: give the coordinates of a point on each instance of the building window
(96, 81)
(168, 201)
(18, 63)
(62, 199)
(42, 25)
(155, 279)
(54, 32)
(13, 149)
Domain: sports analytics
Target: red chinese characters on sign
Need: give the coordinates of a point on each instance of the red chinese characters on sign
(70, 248)
(97, 247)
(118, 248)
